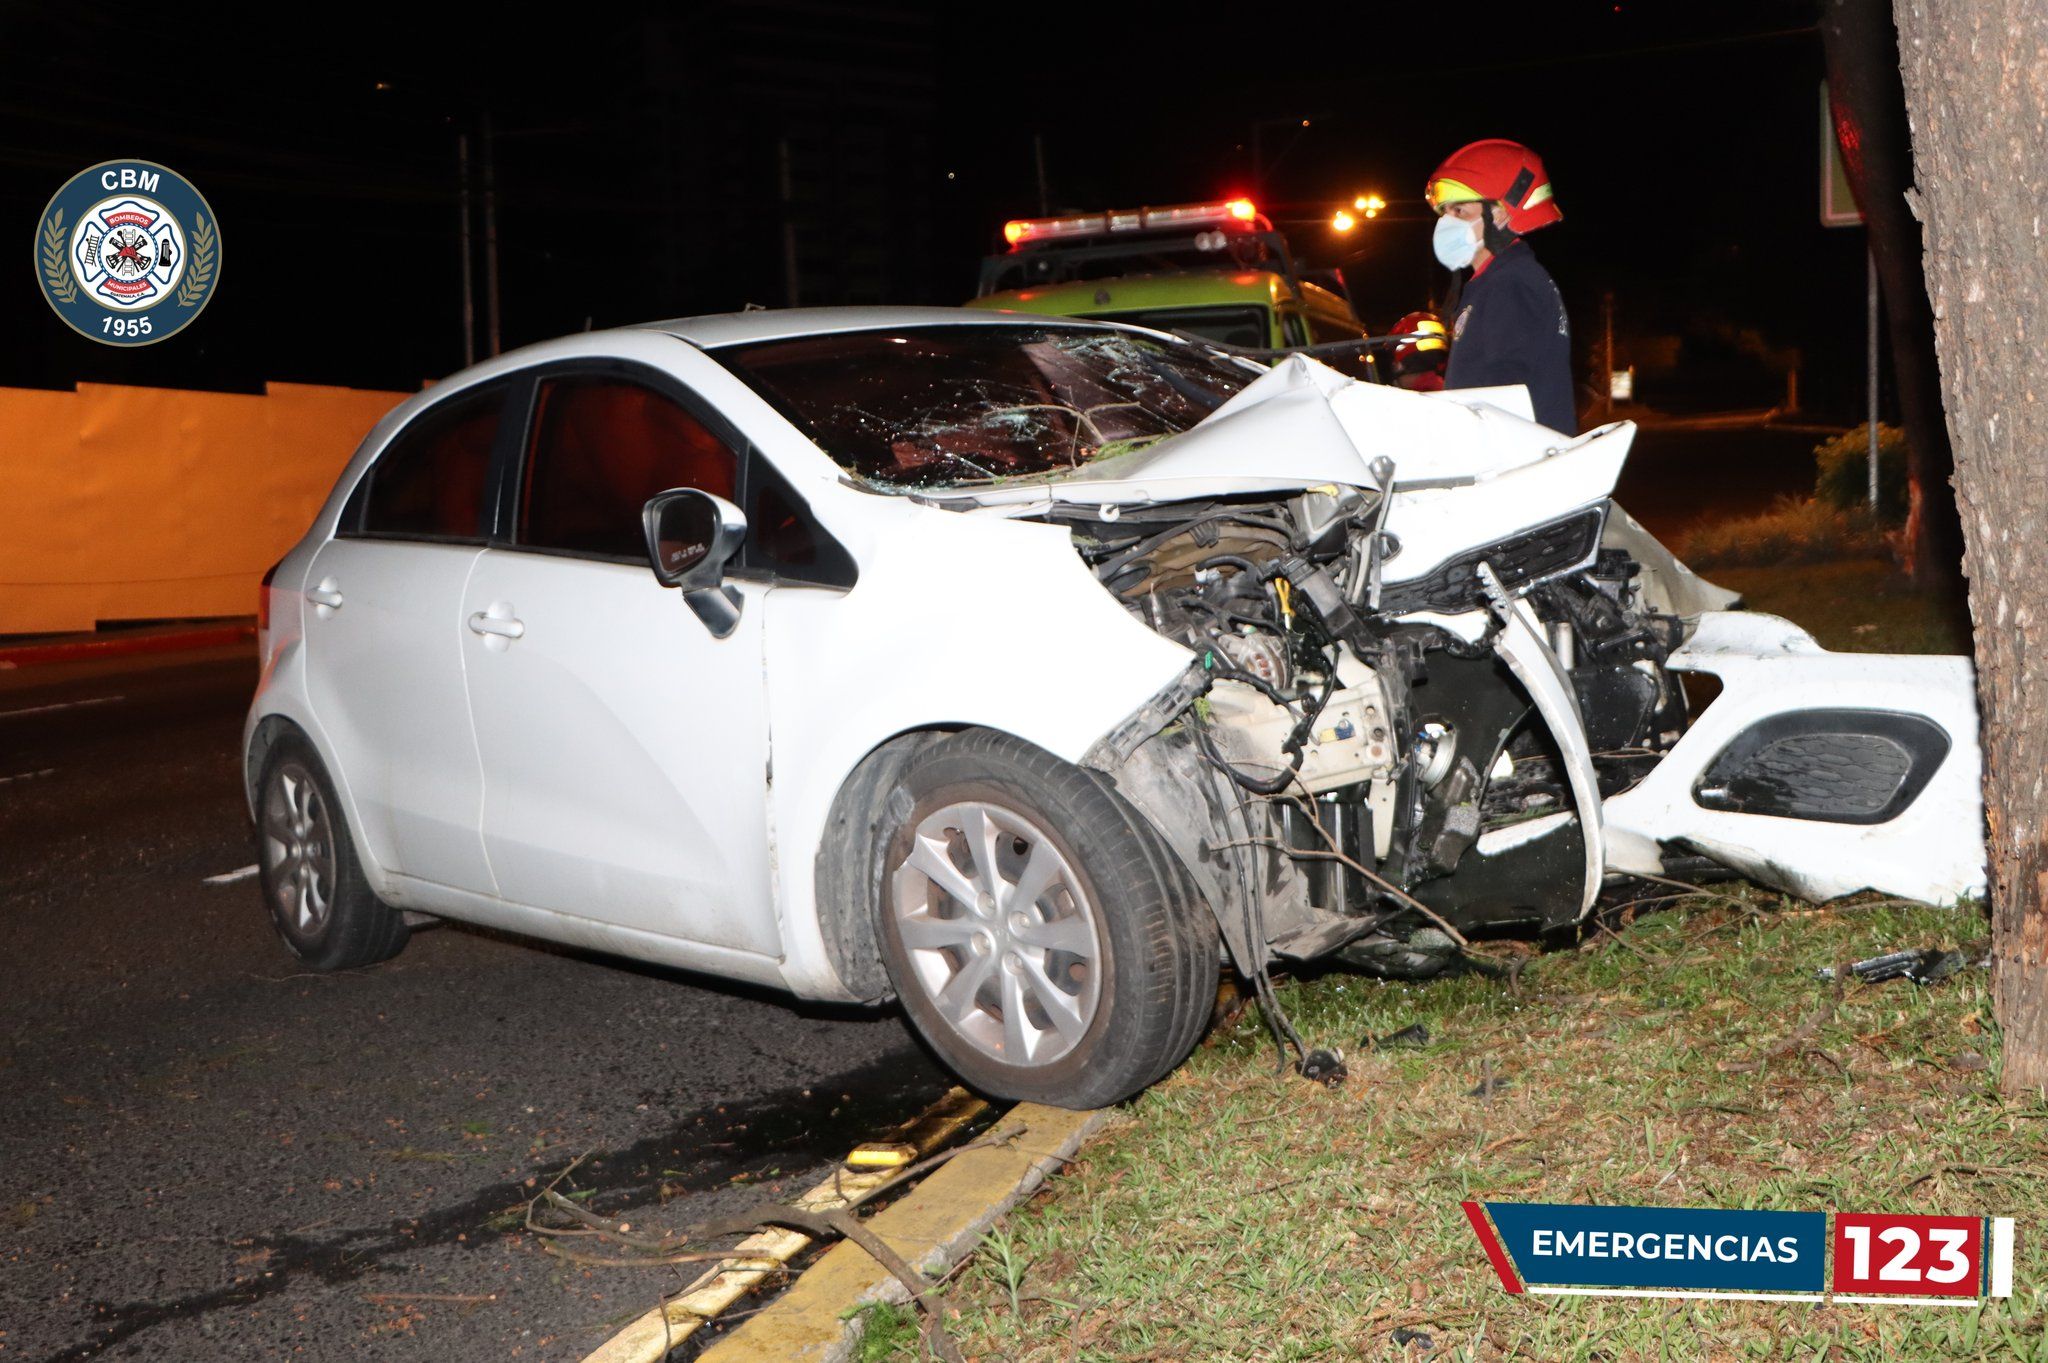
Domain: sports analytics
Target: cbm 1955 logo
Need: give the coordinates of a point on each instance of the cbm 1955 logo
(128, 253)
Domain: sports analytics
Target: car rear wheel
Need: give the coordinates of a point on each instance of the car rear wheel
(312, 880)
(1043, 939)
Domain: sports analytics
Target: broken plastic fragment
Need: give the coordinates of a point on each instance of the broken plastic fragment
(1325, 1067)
(1414, 1034)
(1929, 965)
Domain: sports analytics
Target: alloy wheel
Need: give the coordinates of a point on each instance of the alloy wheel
(298, 850)
(1000, 932)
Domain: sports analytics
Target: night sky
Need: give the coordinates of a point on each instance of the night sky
(637, 163)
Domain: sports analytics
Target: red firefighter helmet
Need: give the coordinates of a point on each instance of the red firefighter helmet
(1506, 172)
(1428, 350)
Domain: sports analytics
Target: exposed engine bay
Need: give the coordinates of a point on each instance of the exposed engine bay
(1367, 733)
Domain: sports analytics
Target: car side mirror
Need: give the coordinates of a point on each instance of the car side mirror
(691, 538)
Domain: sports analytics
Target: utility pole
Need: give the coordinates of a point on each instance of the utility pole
(1870, 320)
(490, 239)
(468, 271)
(788, 191)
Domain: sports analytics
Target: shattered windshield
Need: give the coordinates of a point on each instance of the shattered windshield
(933, 407)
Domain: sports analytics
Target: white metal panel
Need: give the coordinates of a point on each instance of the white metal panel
(957, 620)
(624, 750)
(1933, 851)
(1521, 646)
(1305, 425)
(383, 675)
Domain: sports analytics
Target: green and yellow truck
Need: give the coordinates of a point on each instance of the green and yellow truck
(1218, 271)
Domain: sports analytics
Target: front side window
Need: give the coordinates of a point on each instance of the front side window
(601, 445)
(951, 406)
(429, 483)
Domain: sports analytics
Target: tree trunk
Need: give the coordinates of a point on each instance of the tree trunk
(1870, 126)
(1976, 82)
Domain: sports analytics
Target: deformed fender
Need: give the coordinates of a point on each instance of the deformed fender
(959, 620)
(1669, 587)
(849, 865)
(1258, 896)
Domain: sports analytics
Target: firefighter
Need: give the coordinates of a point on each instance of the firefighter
(1508, 320)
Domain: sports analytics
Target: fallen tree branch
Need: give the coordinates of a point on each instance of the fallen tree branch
(665, 1250)
(1800, 1040)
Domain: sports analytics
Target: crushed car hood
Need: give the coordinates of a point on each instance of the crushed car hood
(1303, 425)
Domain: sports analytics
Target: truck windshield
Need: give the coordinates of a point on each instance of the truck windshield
(946, 406)
(1249, 326)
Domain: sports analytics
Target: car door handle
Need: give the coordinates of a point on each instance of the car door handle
(326, 594)
(480, 623)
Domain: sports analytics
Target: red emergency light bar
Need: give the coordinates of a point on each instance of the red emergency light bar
(1019, 231)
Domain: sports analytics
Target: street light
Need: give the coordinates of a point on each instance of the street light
(1369, 204)
(1343, 221)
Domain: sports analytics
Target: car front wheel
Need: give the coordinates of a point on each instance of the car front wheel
(1043, 939)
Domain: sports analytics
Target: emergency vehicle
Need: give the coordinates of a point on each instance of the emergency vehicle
(1219, 271)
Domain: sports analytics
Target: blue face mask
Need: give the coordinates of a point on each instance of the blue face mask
(1454, 242)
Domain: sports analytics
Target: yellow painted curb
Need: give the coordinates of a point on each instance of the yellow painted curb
(650, 1338)
(933, 1228)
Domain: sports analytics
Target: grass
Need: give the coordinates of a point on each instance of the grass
(1795, 530)
(1859, 605)
(1234, 1214)
(887, 1331)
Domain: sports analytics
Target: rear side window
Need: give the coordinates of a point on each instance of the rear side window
(602, 445)
(429, 483)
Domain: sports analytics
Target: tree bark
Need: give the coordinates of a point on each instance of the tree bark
(1868, 108)
(1976, 83)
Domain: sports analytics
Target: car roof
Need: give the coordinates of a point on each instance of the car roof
(775, 324)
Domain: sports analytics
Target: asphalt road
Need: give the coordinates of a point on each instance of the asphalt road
(209, 1155)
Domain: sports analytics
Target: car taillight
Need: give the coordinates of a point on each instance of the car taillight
(263, 596)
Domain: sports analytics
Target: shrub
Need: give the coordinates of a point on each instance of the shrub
(1842, 471)
(1795, 530)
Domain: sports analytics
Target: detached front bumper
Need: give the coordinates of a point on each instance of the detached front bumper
(1818, 773)
(1812, 772)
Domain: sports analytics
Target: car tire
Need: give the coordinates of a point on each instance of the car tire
(1101, 980)
(312, 879)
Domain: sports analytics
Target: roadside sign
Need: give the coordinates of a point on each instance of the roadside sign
(1837, 203)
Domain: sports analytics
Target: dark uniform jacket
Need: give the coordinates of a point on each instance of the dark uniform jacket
(1511, 328)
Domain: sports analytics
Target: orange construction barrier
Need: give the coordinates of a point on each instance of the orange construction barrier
(121, 503)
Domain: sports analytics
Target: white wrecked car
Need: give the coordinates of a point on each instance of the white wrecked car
(1009, 666)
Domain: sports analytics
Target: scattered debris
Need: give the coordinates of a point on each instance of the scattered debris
(1488, 1085)
(1401, 1338)
(1969, 1062)
(1414, 1034)
(1324, 1066)
(1928, 965)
